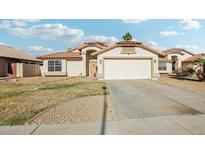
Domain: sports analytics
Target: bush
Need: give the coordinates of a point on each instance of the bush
(185, 72)
(200, 75)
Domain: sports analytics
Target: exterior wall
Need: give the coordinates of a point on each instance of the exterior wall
(185, 56)
(22, 70)
(75, 68)
(89, 48)
(27, 70)
(69, 68)
(116, 52)
(62, 73)
(19, 70)
(3, 67)
(180, 58)
(30, 70)
(169, 68)
(83, 54)
(83, 64)
(186, 64)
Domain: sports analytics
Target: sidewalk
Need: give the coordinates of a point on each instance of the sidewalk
(181, 125)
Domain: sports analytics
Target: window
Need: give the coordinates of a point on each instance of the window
(162, 66)
(54, 66)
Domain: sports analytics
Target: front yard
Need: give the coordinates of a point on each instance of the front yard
(191, 84)
(21, 100)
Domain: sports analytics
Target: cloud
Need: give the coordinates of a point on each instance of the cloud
(1, 43)
(23, 22)
(189, 24)
(155, 45)
(55, 31)
(101, 38)
(48, 31)
(133, 21)
(39, 50)
(169, 33)
(192, 47)
(6, 24)
(196, 47)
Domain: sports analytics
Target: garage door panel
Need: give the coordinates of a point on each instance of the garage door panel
(127, 69)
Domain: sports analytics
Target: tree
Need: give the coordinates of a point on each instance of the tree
(127, 37)
(200, 62)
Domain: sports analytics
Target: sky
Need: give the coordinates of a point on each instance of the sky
(39, 37)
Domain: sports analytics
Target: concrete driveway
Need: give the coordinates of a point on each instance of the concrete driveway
(146, 98)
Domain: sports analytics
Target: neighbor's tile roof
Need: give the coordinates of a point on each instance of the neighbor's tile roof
(89, 44)
(177, 50)
(195, 57)
(62, 55)
(10, 52)
(129, 44)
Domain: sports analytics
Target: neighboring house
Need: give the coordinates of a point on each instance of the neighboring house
(188, 62)
(15, 63)
(123, 60)
(173, 59)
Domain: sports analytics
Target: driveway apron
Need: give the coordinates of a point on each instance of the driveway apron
(147, 98)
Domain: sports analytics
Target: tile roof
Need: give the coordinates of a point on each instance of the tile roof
(62, 55)
(89, 44)
(195, 57)
(73, 55)
(10, 52)
(129, 44)
(176, 50)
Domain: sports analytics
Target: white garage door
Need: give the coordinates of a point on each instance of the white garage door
(127, 69)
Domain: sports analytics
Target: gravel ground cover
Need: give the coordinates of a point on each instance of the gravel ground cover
(81, 110)
(191, 84)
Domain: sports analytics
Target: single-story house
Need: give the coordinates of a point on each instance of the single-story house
(188, 62)
(15, 63)
(122, 60)
(173, 59)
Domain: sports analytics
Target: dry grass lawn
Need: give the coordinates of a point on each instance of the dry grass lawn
(191, 84)
(23, 99)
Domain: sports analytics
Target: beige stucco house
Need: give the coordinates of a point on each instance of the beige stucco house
(189, 61)
(122, 60)
(16, 63)
(174, 59)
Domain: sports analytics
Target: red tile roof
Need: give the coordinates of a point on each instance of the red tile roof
(73, 55)
(62, 55)
(195, 57)
(89, 44)
(176, 50)
(129, 44)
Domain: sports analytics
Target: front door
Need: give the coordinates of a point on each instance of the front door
(93, 69)
(173, 65)
(88, 58)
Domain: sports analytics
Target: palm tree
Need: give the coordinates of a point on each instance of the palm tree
(127, 37)
(200, 62)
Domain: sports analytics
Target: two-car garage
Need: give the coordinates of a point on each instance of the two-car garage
(134, 68)
(127, 60)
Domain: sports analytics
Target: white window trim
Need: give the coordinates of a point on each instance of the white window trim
(54, 67)
(162, 68)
